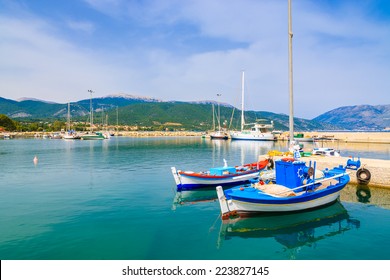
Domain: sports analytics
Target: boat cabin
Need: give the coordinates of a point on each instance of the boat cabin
(220, 171)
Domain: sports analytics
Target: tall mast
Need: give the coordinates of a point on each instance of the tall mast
(242, 100)
(290, 72)
(68, 122)
(213, 117)
(117, 120)
(219, 115)
(91, 109)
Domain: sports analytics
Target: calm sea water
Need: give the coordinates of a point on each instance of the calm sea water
(115, 199)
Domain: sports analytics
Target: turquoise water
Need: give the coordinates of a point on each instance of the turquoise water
(115, 199)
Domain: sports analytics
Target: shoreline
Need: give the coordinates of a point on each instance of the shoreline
(333, 137)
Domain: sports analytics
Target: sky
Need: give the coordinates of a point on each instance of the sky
(195, 50)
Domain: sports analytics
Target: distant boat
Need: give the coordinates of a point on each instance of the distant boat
(325, 152)
(69, 133)
(92, 135)
(259, 131)
(219, 134)
(56, 135)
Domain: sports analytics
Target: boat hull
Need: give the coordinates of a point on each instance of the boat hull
(256, 137)
(251, 200)
(190, 181)
(287, 206)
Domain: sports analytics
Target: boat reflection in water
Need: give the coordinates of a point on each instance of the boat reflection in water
(187, 197)
(293, 230)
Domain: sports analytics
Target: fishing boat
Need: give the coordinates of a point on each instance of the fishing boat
(296, 187)
(218, 176)
(260, 131)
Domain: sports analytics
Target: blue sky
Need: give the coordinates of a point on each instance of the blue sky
(192, 50)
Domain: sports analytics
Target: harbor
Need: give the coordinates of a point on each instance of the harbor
(82, 193)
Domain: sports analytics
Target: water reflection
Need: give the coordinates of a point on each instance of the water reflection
(365, 194)
(186, 197)
(292, 231)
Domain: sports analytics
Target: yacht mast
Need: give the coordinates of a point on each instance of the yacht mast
(290, 72)
(242, 101)
(68, 118)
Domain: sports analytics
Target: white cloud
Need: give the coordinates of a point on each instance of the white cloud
(337, 60)
(84, 26)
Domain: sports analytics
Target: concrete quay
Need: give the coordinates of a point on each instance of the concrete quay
(343, 137)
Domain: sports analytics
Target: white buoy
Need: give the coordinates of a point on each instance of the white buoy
(35, 160)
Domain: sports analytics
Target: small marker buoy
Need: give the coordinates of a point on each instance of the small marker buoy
(35, 160)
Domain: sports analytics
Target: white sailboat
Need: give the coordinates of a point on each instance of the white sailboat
(260, 131)
(92, 135)
(220, 134)
(69, 133)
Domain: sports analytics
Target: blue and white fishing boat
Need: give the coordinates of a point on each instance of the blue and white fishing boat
(218, 176)
(297, 187)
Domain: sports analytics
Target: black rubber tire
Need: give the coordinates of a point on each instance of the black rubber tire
(363, 176)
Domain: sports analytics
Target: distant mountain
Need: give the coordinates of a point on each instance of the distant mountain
(150, 112)
(30, 108)
(359, 117)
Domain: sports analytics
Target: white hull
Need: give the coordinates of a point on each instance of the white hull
(194, 182)
(252, 136)
(240, 206)
(198, 181)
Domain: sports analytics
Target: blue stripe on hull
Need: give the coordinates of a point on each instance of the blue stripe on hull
(267, 199)
(200, 186)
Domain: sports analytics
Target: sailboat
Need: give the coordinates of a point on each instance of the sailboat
(297, 186)
(220, 133)
(69, 133)
(92, 135)
(261, 130)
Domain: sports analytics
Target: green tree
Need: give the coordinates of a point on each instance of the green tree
(58, 125)
(7, 123)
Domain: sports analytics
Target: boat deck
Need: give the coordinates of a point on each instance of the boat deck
(379, 168)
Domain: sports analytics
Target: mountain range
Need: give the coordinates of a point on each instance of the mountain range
(150, 112)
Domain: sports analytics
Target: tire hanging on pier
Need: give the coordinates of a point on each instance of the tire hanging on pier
(270, 164)
(363, 176)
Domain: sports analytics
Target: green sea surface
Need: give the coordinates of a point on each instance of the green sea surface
(115, 200)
